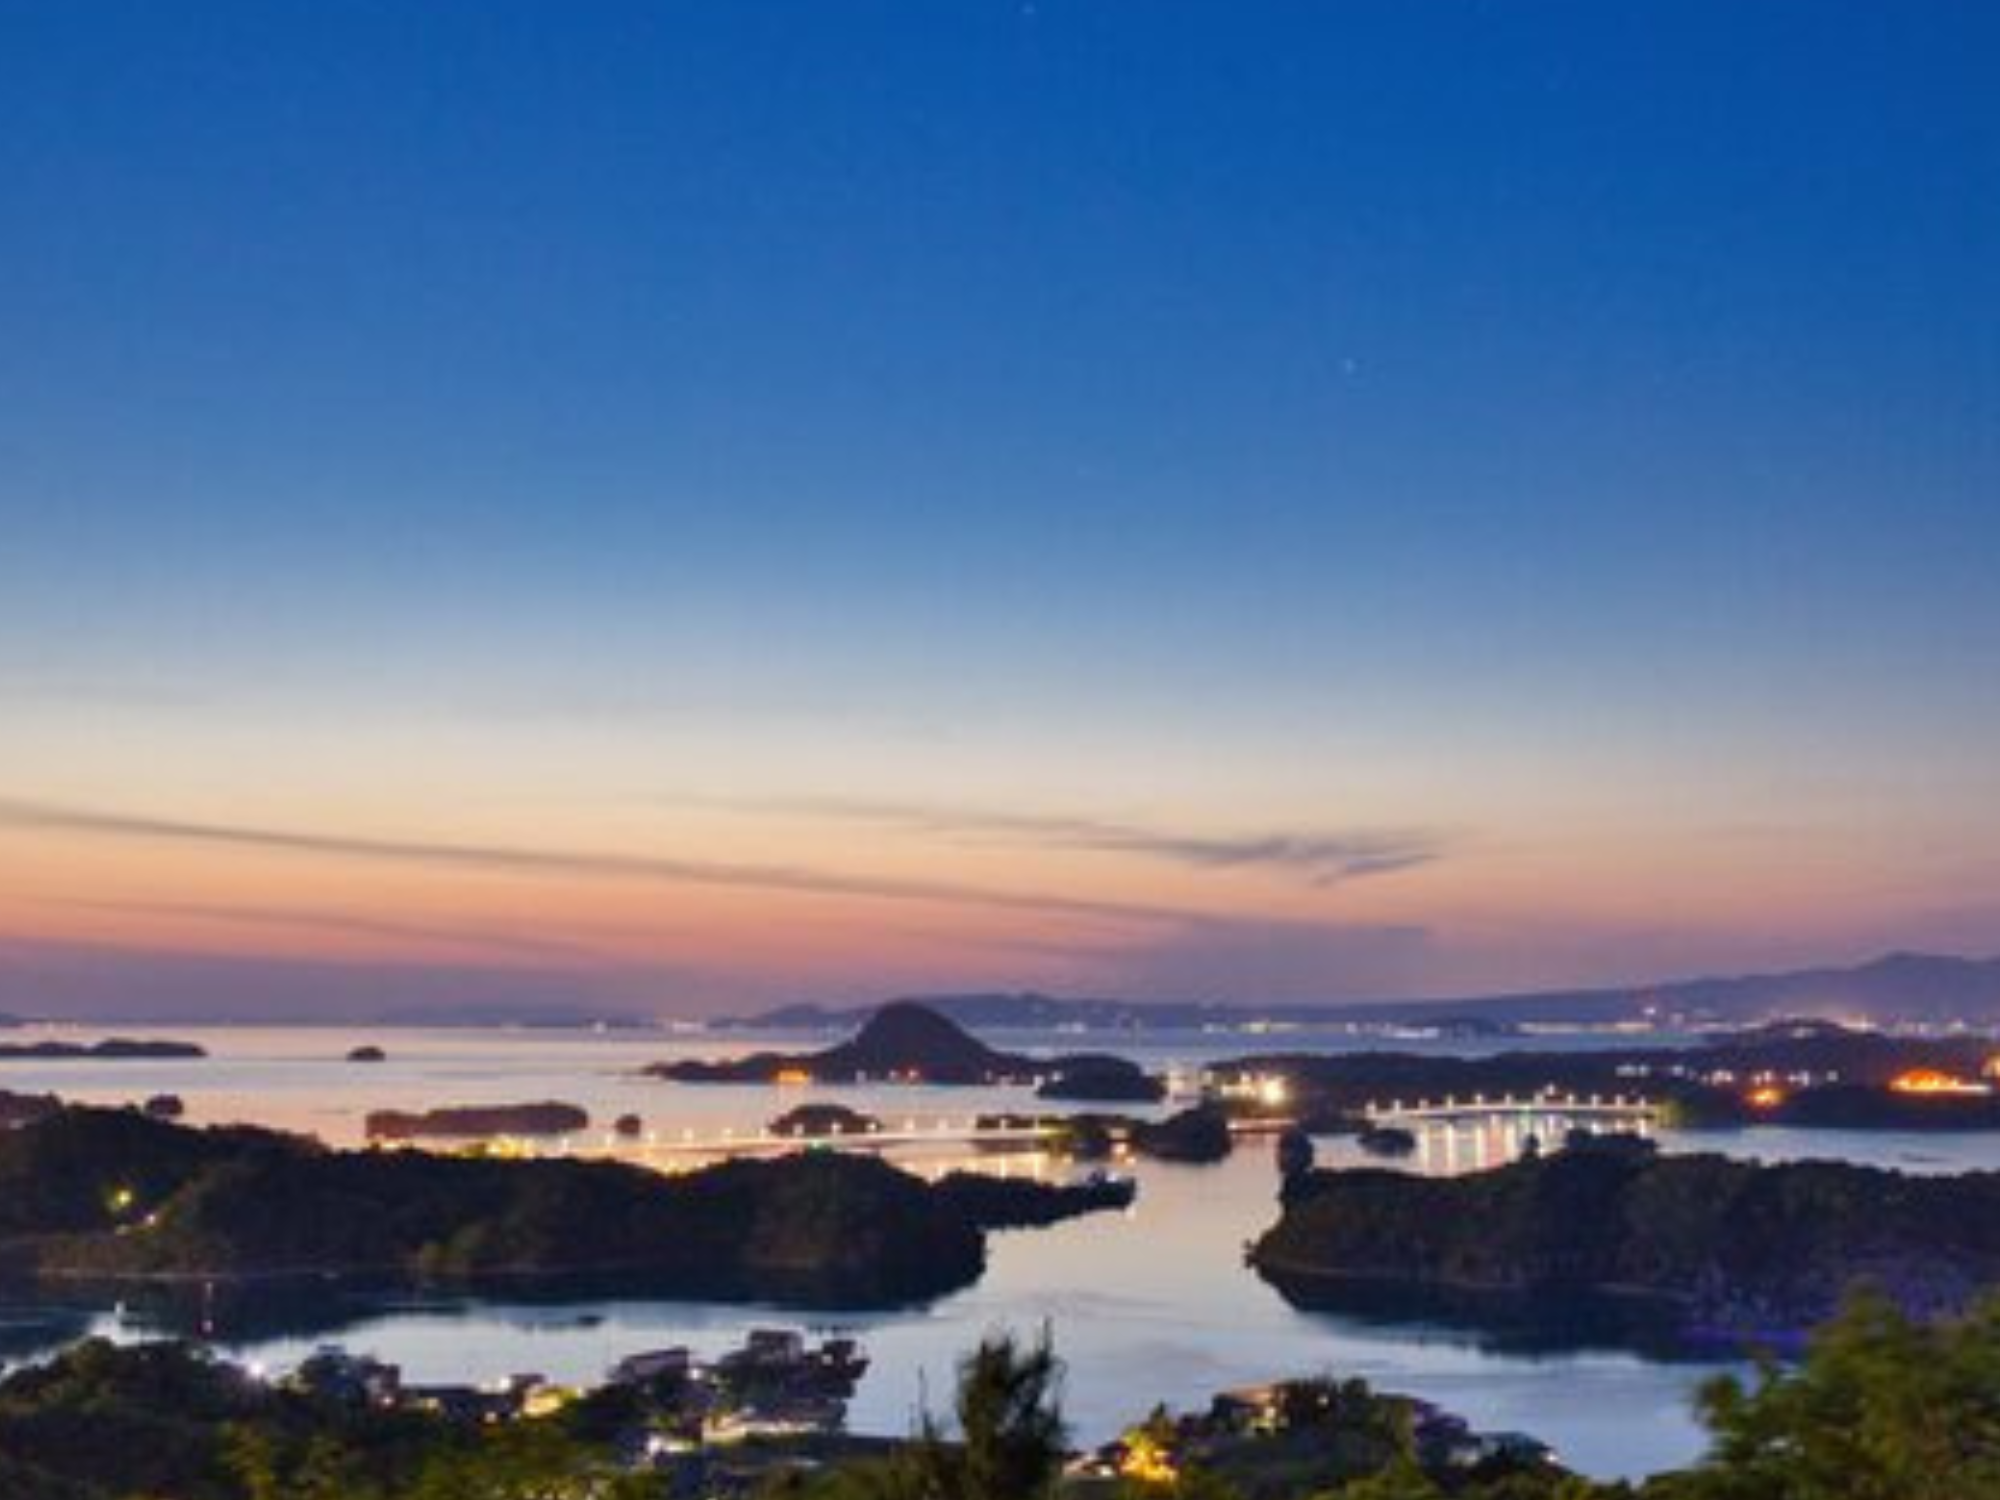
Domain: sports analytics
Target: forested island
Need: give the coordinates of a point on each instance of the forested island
(114, 1048)
(1802, 1073)
(909, 1043)
(113, 1196)
(1735, 1248)
(474, 1121)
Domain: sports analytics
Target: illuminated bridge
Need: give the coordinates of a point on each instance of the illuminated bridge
(946, 1130)
(1608, 1111)
(1479, 1132)
(903, 1131)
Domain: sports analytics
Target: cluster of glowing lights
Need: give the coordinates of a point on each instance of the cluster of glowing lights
(1268, 1090)
(1933, 1081)
(1766, 1096)
(1146, 1460)
(793, 1077)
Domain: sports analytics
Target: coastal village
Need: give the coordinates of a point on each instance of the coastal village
(778, 1402)
(716, 1424)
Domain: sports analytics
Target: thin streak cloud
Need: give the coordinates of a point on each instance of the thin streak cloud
(1319, 858)
(585, 864)
(344, 924)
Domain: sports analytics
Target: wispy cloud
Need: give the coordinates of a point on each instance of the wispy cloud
(1318, 857)
(1243, 960)
(499, 942)
(116, 983)
(571, 863)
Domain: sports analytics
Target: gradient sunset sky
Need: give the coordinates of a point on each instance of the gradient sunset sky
(671, 506)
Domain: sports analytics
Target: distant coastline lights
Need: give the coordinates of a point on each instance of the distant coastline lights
(1933, 1081)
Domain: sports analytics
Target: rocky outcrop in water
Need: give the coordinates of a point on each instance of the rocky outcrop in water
(475, 1121)
(910, 1043)
(1198, 1135)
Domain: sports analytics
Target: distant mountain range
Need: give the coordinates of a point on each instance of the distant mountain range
(1898, 987)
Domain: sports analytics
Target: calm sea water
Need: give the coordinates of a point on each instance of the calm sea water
(1151, 1305)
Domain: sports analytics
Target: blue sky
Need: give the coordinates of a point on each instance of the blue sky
(1552, 429)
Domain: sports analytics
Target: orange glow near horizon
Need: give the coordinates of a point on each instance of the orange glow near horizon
(683, 911)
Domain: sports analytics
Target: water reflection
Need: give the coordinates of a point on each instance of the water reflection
(28, 1331)
(1478, 1143)
(1152, 1304)
(1147, 1305)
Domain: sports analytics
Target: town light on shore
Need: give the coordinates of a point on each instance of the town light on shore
(1933, 1081)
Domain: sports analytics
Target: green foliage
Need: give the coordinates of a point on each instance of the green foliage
(1881, 1409)
(1400, 1480)
(1193, 1484)
(1009, 1444)
(164, 1419)
(529, 1461)
(1011, 1436)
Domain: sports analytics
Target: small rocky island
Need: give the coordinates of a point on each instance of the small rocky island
(823, 1121)
(1199, 1136)
(1732, 1248)
(910, 1043)
(1386, 1140)
(470, 1122)
(115, 1198)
